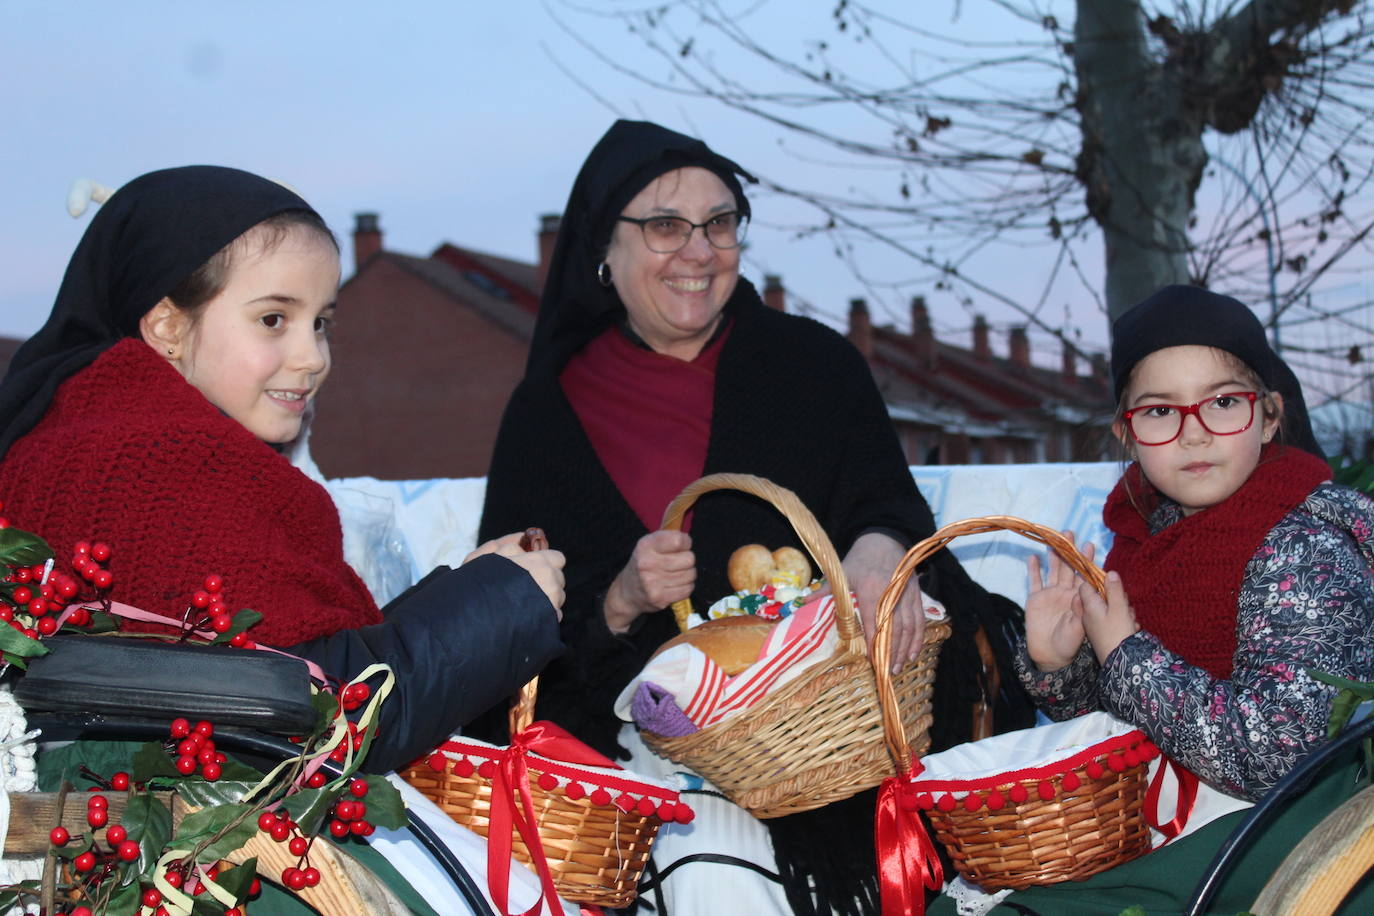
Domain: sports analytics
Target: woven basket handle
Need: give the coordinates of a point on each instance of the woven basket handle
(803, 522)
(522, 709)
(893, 730)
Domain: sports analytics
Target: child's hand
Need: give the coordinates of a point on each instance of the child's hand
(546, 569)
(1054, 612)
(507, 545)
(1107, 621)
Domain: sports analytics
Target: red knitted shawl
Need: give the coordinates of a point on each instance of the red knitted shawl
(1184, 581)
(129, 453)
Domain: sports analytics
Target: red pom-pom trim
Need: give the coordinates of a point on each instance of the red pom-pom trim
(1018, 794)
(487, 769)
(684, 814)
(646, 807)
(438, 762)
(1149, 750)
(1070, 782)
(1094, 770)
(574, 790)
(972, 802)
(548, 782)
(1045, 789)
(995, 801)
(906, 800)
(463, 767)
(1116, 763)
(924, 801)
(1132, 757)
(667, 811)
(625, 803)
(946, 802)
(601, 797)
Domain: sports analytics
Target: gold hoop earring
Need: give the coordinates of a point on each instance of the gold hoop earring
(603, 274)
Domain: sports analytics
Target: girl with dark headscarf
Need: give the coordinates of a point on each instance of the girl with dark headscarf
(1237, 570)
(188, 337)
(654, 362)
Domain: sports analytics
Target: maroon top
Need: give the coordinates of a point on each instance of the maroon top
(647, 415)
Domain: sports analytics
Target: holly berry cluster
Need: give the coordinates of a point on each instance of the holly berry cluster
(38, 594)
(194, 749)
(345, 817)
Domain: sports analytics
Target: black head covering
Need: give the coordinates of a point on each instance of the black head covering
(1179, 316)
(144, 241)
(575, 307)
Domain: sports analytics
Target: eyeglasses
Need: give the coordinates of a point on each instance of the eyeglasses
(667, 234)
(1221, 415)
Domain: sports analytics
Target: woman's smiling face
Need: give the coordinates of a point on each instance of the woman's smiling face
(674, 301)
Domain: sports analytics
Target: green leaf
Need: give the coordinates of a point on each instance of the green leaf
(239, 879)
(20, 548)
(200, 826)
(75, 847)
(202, 793)
(309, 807)
(151, 760)
(11, 896)
(125, 901)
(149, 822)
(384, 805)
(14, 643)
(205, 905)
(1133, 911)
(326, 708)
(100, 623)
(1364, 689)
(242, 620)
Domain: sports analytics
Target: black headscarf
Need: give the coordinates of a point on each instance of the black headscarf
(1179, 316)
(575, 307)
(144, 241)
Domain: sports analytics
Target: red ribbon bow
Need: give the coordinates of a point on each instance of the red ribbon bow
(1187, 797)
(511, 779)
(907, 861)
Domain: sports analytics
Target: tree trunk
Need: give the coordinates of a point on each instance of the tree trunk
(1142, 154)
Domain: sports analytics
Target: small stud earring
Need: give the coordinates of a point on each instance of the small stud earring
(169, 351)
(603, 274)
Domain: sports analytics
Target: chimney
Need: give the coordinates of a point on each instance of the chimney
(1070, 363)
(922, 338)
(1020, 347)
(981, 350)
(773, 294)
(367, 238)
(860, 327)
(548, 234)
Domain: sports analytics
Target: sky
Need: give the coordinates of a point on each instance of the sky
(455, 121)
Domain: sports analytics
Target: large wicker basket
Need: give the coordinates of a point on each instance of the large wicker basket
(596, 840)
(1067, 820)
(819, 738)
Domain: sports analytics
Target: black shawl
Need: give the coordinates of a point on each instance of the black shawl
(145, 240)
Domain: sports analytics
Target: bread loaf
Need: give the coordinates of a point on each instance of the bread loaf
(733, 643)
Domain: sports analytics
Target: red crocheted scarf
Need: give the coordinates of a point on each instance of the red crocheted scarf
(1184, 581)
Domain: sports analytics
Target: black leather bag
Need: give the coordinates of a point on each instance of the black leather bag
(147, 679)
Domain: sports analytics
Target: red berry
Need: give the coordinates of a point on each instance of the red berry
(211, 771)
(102, 578)
(97, 817)
(47, 591)
(213, 583)
(38, 607)
(188, 747)
(116, 835)
(174, 878)
(47, 626)
(96, 801)
(152, 897)
(59, 836)
(238, 640)
(359, 828)
(200, 599)
(204, 729)
(298, 845)
(21, 574)
(312, 876)
(100, 551)
(30, 632)
(344, 810)
(266, 820)
(120, 782)
(357, 788)
(205, 755)
(82, 548)
(23, 595)
(128, 850)
(186, 765)
(280, 831)
(293, 878)
(84, 862)
(180, 728)
(221, 623)
(338, 829)
(67, 588)
(315, 780)
(255, 888)
(6, 613)
(81, 911)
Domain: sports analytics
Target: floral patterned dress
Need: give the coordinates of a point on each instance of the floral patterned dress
(1307, 603)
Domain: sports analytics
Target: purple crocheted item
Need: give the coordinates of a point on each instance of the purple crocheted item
(655, 710)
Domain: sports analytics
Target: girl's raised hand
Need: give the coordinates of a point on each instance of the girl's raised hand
(1109, 620)
(1054, 612)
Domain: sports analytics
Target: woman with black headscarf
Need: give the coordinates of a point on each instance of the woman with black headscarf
(654, 363)
(187, 339)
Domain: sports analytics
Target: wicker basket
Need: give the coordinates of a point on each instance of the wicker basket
(596, 841)
(819, 738)
(1067, 820)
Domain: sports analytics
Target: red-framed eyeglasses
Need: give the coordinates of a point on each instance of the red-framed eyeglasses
(1221, 415)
